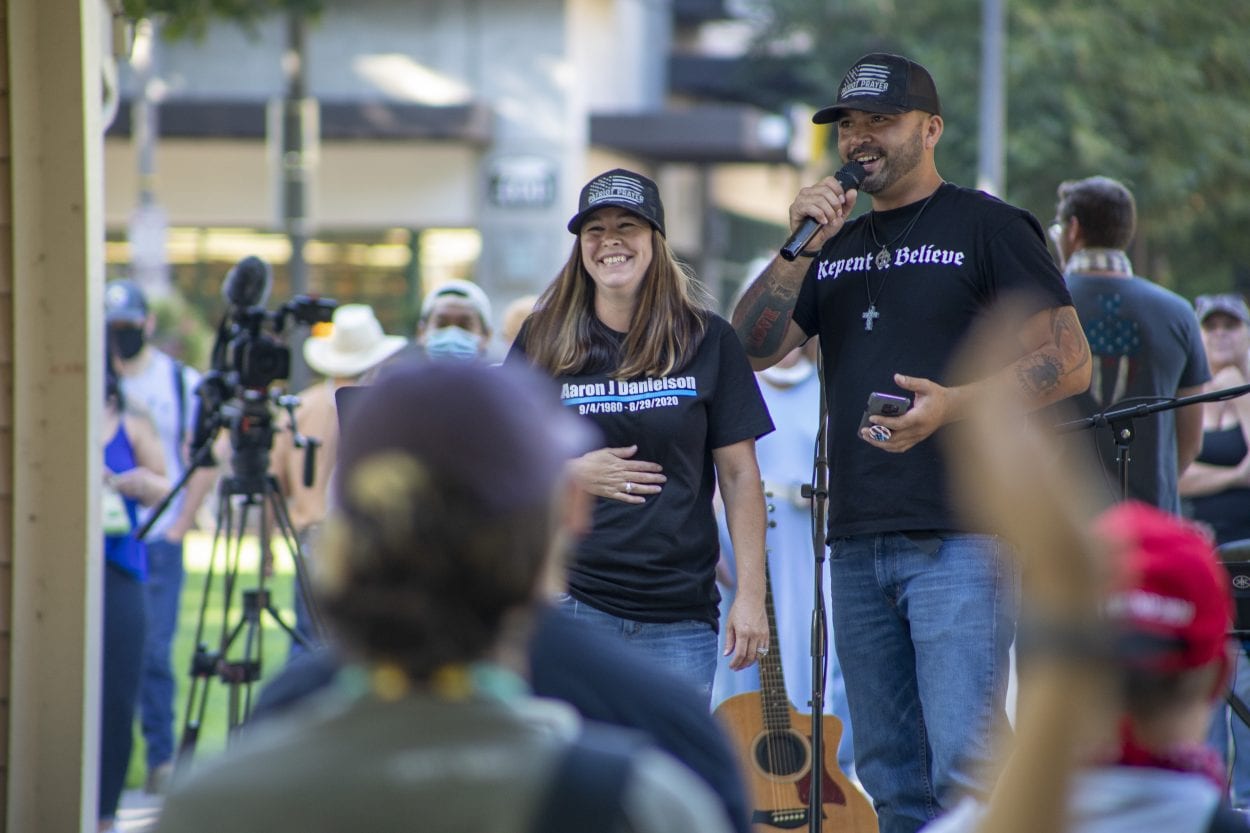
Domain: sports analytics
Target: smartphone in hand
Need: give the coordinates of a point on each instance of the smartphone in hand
(884, 404)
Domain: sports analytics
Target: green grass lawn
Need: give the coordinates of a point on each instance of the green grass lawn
(271, 643)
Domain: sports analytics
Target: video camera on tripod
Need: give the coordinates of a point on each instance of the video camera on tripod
(246, 359)
(236, 394)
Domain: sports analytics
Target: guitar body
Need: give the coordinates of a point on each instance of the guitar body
(778, 768)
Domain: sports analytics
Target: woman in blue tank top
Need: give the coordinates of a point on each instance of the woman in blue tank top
(134, 476)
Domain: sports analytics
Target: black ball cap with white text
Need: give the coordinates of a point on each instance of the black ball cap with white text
(883, 83)
(622, 189)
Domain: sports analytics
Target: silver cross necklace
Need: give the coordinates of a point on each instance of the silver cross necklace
(885, 253)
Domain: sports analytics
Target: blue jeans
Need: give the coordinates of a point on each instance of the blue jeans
(687, 648)
(162, 594)
(1227, 729)
(923, 638)
(122, 656)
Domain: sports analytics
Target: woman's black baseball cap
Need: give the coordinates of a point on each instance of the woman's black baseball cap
(623, 189)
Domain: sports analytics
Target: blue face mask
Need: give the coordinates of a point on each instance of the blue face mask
(453, 343)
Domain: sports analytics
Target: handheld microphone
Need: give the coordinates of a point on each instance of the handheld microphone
(850, 175)
(247, 283)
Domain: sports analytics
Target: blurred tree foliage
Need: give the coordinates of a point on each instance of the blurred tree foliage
(190, 18)
(1155, 94)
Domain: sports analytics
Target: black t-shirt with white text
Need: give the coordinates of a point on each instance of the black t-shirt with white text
(656, 561)
(966, 252)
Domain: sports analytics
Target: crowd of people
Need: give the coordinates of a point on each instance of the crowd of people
(522, 589)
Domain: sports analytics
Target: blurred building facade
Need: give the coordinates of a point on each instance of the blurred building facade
(452, 139)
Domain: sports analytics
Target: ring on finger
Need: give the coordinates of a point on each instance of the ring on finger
(629, 488)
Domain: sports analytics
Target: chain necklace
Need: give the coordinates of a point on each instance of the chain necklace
(883, 258)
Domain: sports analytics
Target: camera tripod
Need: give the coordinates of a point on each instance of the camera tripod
(237, 657)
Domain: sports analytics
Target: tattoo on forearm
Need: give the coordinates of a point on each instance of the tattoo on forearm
(1069, 338)
(761, 316)
(1039, 374)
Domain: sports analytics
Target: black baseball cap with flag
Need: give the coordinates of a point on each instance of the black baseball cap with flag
(623, 189)
(883, 83)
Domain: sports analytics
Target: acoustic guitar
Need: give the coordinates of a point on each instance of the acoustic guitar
(774, 745)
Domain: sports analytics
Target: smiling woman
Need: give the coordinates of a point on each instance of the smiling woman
(625, 330)
(616, 248)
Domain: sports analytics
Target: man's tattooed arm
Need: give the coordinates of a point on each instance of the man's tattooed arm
(1060, 366)
(762, 318)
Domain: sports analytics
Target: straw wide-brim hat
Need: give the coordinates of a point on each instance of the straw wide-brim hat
(355, 343)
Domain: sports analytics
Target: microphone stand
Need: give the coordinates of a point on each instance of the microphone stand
(818, 493)
(1120, 420)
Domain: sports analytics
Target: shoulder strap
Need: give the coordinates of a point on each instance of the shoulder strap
(180, 390)
(1228, 820)
(585, 792)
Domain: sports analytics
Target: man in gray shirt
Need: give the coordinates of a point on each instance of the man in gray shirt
(1145, 340)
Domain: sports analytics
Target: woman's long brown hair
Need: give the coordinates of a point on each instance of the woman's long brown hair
(565, 337)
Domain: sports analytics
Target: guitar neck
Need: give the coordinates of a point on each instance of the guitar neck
(774, 701)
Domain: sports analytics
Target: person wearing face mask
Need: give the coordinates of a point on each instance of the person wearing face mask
(164, 388)
(627, 333)
(455, 322)
(134, 476)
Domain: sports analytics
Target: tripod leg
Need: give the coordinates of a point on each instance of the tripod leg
(239, 674)
(204, 663)
(233, 673)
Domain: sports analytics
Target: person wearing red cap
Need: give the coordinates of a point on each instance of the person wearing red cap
(923, 606)
(629, 335)
(1165, 619)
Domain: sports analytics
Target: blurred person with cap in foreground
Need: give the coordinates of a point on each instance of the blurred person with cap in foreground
(354, 344)
(1159, 645)
(1121, 647)
(453, 514)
